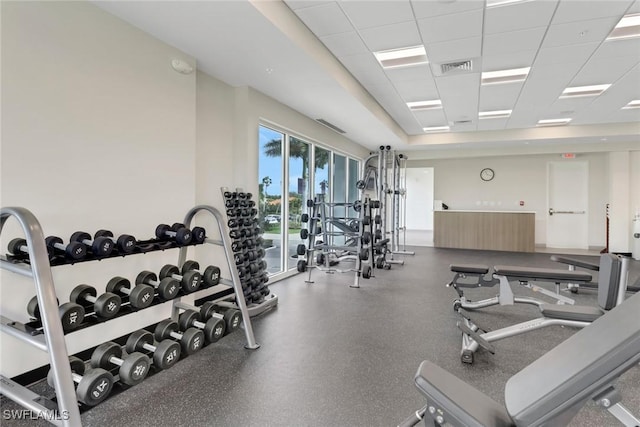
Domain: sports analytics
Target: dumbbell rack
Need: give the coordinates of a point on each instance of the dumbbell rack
(50, 337)
(234, 282)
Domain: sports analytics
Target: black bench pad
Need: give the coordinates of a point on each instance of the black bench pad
(463, 405)
(469, 268)
(543, 274)
(571, 312)
(575, 262)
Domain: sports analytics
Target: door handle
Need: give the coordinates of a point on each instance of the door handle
(552, 211)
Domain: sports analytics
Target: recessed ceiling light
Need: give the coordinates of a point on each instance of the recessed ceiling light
(402, 57)
(628, 27)
(498, 114)
(505, 76)
(494, 3)
(633, 104)
(436, 129)
(553, 122)
(593, 90)
(434, 104)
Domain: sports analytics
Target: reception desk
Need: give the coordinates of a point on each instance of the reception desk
(488, 230)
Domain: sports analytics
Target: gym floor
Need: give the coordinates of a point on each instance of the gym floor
(331, 355)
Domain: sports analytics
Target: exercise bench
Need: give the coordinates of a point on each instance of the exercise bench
(551, 314)
(551, 390)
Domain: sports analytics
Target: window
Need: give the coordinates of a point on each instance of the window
(286, 180)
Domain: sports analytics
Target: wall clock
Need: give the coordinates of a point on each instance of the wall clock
(487, 174)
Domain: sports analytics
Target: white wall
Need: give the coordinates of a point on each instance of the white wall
(517, 178)
(97, 132)
(420, 185)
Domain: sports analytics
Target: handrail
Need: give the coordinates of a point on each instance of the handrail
(235, 277)
(48, 305)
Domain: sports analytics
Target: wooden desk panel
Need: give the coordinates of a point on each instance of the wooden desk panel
(497, 231)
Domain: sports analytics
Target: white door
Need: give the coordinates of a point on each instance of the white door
(419, 208)
(567, 203)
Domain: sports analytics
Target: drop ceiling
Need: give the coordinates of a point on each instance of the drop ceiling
(317, 57)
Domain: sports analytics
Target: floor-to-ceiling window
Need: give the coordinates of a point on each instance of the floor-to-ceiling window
(292, 170)
(271, 144)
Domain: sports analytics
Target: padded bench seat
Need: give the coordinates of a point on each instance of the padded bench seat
(469, 268)
(542, 274)
(575, 262)
(571, 312)
(461, 403)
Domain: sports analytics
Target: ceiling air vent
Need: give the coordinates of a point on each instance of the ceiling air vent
(330, 126)
(461, 122)
(456, 66)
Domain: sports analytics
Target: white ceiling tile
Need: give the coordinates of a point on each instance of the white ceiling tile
(558, 54)
(402, 34)
(300, 4)
(519, 16)
(325, 19)
(581, 10)
(365, 68)
(499, 97)
(365, 14)
(635, 7)
(520, 59)
(492, 124)
(616, 48)
(403, 74)
(465, 127)
(459, 95)
(605, 70)
(454, 50)
(451, 27)
(417, 90)
(344, 44)
(427, 9)
(513, 42)
(580, 32)
(431, 118)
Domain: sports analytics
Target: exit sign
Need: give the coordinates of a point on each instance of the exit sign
(568, 155)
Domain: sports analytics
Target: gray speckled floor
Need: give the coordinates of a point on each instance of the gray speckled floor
(333, 356)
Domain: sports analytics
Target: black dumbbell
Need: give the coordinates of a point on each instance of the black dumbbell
(213, 329)
(231, 316)
(105, 306)
(133, 368)
(190, 340)
(141, 296)
(165, 354)
(126, 243)
(210, 275)
(182, 236)
(74, 250)
(71, 314)
(167, 288)
(19, 246)
(198, 234)
(100, 247)
(190, 281)
(93, 386)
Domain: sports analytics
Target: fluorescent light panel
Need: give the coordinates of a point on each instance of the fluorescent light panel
(403, 57)
(436, 129)
(495, 3)
(628, 27)
(434, 104)
(505, 76)
(593, 90)
(553, 122)
(498, 114)
(633, 104)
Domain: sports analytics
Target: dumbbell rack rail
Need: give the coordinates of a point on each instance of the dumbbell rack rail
(52, 341)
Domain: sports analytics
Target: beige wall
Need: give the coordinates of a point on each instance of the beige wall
(458, 184)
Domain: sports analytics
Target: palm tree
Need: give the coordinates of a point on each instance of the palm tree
(297, 150)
